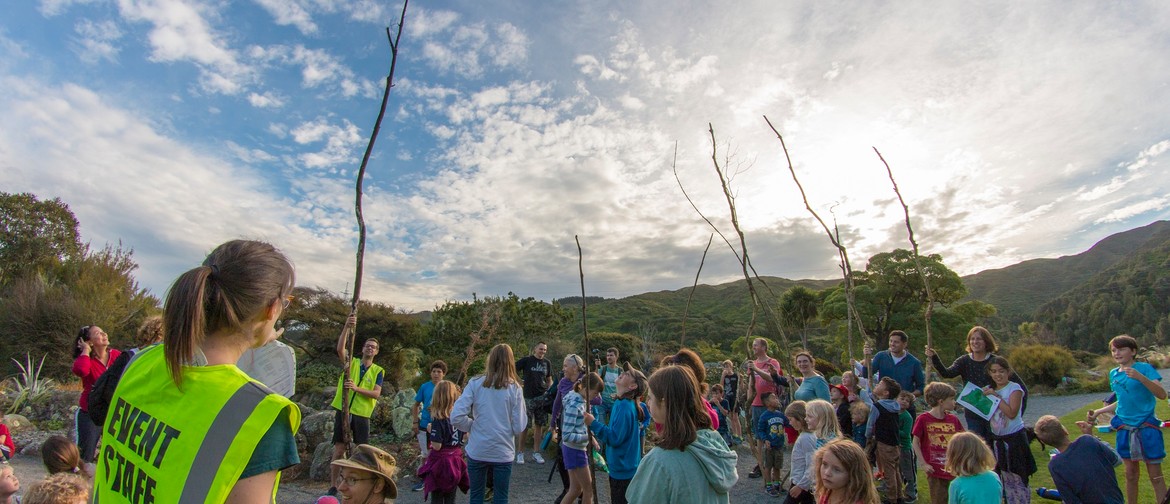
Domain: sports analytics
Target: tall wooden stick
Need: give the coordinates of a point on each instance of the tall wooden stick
(914, 243)
(843, 253)
(361, 251)
(682, 341)
(585, 332)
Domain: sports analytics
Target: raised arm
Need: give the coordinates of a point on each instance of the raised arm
(342, 351)
(956, 369)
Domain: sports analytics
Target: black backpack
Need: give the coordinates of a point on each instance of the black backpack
(544, 402)
(102, 392)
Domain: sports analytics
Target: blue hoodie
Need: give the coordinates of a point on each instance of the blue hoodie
(623, 447)
(702, 473)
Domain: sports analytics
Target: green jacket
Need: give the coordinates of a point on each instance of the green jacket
(905, 425)
(703, 473)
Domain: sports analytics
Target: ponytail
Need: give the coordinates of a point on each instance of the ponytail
(237, 282)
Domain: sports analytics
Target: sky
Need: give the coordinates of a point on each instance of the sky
(1015, 130)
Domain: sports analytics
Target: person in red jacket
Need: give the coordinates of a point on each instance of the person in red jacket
(91, 355)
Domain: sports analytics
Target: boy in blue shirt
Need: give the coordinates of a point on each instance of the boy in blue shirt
(1087, 455)
(1139, 433)
(770, 431)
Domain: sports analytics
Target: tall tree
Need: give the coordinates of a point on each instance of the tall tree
(798, 308)
(35, 235)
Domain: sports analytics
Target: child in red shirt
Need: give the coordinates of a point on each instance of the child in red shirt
(931, 432)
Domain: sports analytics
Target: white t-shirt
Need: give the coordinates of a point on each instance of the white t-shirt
(1000, 424)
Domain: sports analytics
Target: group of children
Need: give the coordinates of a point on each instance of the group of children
(68, 480)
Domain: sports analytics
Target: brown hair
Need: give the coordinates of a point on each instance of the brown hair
(614, 350)
(638, 391)
(1050, 432)
(717, 389)
(1124, 341)
(500, 370)
(988, 340)
(893, 388)
(859, 407)
(678, 391)
(937, 392)
(968, 455)
(443, 399)
(796, 411)
(60, 455)
(237, 282)
(1001, 362)
(859, 486)
(906, 394)
(804, 353)
(591, 382)
(439, 364)
(151, 331)
(60, 488)
(691, 360)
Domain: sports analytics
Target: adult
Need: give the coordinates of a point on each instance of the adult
(572, 367)
(367, 476)
(217, 435)
(363, 385)
(759, 382)
(972, 368)
(91, 356)
(812, 384)
(536, 373)
(609, 374)
(421, 412)
(491, 412)
(899, 364)
(149, 333)
(730, 380)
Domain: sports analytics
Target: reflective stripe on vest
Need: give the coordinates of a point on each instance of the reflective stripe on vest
(165, 445)
(359, 405)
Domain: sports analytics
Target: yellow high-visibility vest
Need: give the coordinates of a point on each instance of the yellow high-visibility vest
(161, 444)
(359, 405)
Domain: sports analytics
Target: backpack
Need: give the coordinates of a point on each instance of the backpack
(544, 402)
(98, 402)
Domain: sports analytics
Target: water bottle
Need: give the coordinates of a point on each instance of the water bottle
(1048, 493)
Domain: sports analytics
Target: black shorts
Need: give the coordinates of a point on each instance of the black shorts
(359, 428)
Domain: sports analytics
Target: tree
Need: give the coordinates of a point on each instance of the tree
(798, 308)
(35, 235)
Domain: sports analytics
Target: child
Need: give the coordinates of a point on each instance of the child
(969, 459)
(821, 420)
(850, 382)
(691, 463)
(800, 492)
(7, 448)
(882, 426)
(62, 455)
(715, 398)
(907, 465)
(770, 430)
(931, 432)
(623, 447)
(1139, 438)
(575, 438)
(60, 488)
(859, 415)
(444, 469)
(839, 396)
(1009, 441)
(842, 474)
(9, 485)
(1085, 456)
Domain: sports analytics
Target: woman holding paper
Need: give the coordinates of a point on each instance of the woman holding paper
(972, 368)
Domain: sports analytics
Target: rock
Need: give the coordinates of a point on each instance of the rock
(317, 428)
(17, 423)
(403, 423)
(403, 398)
(322, 456)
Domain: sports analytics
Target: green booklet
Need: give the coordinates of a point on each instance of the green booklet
(971, 398)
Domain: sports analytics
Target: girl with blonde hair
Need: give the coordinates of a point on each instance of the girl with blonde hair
(971, 462)
(491, 411)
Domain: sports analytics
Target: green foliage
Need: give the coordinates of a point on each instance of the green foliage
(30, 385)
(798, 308)
(629, 347)
(314, 320)
(1042, 364)
(35, 236)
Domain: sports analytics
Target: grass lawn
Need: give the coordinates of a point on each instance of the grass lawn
(1043, 479)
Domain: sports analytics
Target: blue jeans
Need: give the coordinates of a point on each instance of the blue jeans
(501, 477)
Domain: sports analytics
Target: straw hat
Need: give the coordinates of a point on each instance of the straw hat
(370, 459)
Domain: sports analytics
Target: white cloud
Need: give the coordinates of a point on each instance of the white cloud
(466, 49)
(95, 41)
(340, 141)
(56, 7)
(265, 100)
(1135, 209)
(249, 156)
(425, 22)
(319, 68)
(290, 12)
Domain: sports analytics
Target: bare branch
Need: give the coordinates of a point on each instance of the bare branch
(585, 332)
(914, 243)
(683, 339)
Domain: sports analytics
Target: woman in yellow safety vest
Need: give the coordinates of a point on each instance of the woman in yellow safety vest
(185, 424)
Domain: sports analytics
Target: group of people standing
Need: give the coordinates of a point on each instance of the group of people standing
(185, 405)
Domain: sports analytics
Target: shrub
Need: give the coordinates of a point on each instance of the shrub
(317, 375)
(1042, 364)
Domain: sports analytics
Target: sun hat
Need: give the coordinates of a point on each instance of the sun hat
(370, 459)
(842, 389)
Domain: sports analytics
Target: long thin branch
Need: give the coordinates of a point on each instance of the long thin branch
(914, 243)
(682, 341)
(361, 251)
(585, 332)
(844, 254)
(674, 167)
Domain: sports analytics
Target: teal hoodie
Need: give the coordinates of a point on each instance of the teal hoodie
(702, 473)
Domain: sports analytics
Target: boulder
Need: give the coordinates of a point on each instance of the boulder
(403, 423)
(17, 424)
(403, 398)
(322, 456)
(317, 428)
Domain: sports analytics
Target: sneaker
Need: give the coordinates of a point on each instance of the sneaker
(773, 491)
(519, 458)
(418, 487)
(537, 457)
(756, 473)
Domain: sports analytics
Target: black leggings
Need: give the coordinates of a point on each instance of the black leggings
(617, 490)
(87, 436)
(443, 497)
